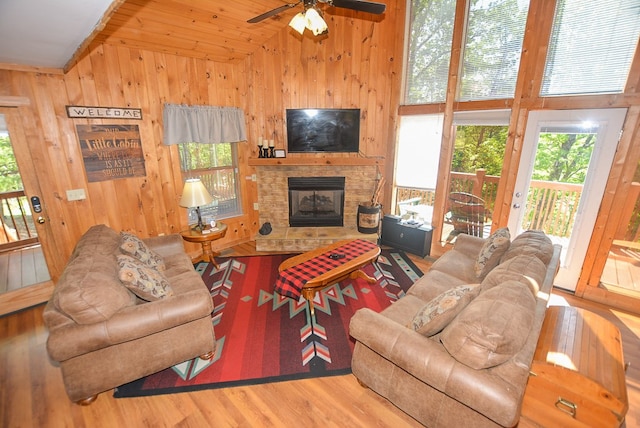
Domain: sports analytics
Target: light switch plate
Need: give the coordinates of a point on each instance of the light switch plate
(76, 195)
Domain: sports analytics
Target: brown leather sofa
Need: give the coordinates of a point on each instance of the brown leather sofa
(103, 336)
(473, 372)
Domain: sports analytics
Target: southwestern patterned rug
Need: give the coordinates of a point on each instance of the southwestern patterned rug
(264, 337)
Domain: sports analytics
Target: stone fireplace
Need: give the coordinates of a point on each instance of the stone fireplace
(316, 201)
(273, 200)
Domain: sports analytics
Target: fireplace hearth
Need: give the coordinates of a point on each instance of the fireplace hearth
(316, 201)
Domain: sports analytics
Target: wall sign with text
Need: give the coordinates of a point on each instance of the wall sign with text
(85, 112)
(110, 152)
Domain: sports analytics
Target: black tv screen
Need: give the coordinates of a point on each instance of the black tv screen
(323, 130)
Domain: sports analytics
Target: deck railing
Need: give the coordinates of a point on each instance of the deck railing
(16, 222)
(550, 206)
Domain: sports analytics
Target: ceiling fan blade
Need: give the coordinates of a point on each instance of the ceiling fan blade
(363, 6)
(275, 11)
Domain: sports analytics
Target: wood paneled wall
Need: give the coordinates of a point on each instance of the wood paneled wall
(357, 65)
(117, 77)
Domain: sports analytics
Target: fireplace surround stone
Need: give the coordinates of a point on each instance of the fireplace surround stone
(360, 181)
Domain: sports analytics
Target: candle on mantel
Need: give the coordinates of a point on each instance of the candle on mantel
(272, 143)
(259, 141)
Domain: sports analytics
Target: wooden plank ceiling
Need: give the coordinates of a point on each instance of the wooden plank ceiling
(216, 30)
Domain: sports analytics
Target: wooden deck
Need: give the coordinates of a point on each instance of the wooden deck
(22, 268)
(622, 269)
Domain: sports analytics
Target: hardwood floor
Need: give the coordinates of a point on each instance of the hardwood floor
(32, 393)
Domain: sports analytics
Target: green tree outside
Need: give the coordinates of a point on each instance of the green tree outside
(9, 174)
(479, 147)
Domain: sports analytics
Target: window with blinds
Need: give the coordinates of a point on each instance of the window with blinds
(591, 46)
(429, 51)
(493, 44)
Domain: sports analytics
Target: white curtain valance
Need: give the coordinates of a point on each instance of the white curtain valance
(203, 124)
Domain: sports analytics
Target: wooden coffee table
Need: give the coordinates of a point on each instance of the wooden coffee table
(205, 239)
(348, 269)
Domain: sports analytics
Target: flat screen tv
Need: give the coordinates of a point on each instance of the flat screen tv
(323, 130)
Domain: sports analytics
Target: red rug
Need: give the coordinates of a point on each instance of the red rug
(264, 337)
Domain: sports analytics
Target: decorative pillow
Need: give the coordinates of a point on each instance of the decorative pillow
(135, 247)
(492, 328)
(492, 250)
(439, 312)
(144, 281)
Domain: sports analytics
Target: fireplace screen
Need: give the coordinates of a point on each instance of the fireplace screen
(316, 201)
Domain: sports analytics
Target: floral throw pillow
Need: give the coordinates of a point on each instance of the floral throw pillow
(440, 311)
(135, 247)
(144, 281)
(492, 250)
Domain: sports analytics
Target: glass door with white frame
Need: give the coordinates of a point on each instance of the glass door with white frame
(565, 163)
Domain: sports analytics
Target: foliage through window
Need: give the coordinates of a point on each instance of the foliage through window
(9, 174)
(429, 50)
(591, 48)
(479, 147)
(563, 156)
(494, 34)
(216, 166)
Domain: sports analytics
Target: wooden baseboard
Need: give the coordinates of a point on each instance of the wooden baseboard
(22, 298)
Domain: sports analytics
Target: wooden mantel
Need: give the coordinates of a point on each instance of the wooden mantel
(335, 161)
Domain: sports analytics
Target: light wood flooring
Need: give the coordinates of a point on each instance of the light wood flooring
(32, 393)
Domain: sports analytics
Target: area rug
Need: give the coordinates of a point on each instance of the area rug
(264, 337)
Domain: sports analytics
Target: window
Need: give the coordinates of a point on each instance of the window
(417, 159)
(492, 48)
(216, 166)
(475, 172)
(429, 51)
(591, 47)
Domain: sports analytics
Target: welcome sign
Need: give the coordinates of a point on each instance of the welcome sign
(85, 112)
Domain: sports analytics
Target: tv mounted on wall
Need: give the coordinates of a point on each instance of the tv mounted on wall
(323, 130)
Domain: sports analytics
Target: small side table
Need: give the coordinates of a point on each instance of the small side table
(194, 235)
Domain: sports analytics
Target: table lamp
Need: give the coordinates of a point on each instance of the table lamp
(195, 195)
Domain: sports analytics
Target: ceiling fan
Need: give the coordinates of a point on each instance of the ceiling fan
(359, 5)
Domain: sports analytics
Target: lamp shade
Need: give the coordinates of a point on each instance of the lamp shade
(298, 23)
(194, 194)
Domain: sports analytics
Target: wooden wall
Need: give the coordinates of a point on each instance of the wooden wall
(357, 65)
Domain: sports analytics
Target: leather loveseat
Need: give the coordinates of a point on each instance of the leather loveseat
(457, 348)
(103, 335)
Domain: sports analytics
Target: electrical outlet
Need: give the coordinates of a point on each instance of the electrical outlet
(76, 195)
(256, 206)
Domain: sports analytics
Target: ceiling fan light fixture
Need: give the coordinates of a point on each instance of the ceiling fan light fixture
(315, 23)
(298, 23)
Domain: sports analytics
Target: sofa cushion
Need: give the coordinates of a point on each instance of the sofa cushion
(144, 281)
(135, 247)
(533, 243)
(526, 269)
(492, 250)
(439, 312)
(89, 290)
(492, 328)
(99, 240)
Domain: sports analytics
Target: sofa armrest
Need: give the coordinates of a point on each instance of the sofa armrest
(428, 361)
(166, 245)
(469, 245)
(130, 323)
